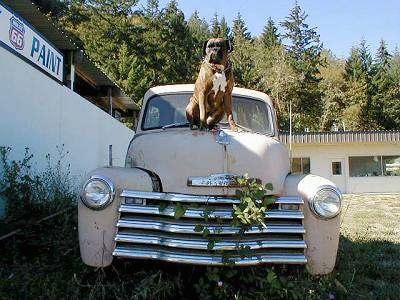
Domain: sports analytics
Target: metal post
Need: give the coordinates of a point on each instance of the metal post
(110, 158)
(110, 100)
(290, 133)
(72, 70)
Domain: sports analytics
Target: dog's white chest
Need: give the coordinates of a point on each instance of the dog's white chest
(219, 82)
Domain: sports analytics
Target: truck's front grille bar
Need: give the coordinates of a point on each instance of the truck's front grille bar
(185, 257)
(198, 213)
(146, 231)
(198, 242)
(197, 198)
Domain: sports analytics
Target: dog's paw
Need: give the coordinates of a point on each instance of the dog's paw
(233, 127)
(203, 126)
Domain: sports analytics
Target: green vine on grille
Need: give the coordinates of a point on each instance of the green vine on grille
(254, 200)
(250, 211)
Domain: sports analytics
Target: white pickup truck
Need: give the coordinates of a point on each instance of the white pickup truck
(168, 163)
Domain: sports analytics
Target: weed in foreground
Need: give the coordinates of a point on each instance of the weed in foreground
(30, 195)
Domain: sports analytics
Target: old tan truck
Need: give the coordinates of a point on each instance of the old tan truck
(168, 163)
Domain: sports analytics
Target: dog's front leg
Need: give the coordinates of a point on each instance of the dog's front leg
(228, 111)
(202, 108)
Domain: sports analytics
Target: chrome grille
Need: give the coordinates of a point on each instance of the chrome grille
(146, 232)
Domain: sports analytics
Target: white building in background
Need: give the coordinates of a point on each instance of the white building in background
(52, 96)
(358, 162)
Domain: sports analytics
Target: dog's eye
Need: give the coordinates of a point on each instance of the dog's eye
(211, 45)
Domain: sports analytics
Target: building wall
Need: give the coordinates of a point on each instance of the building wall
(322, 155)
(39, 113)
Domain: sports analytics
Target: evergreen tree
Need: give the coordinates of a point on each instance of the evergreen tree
(303, 43)
(106, 20)
(243, 54)
(215, 26)
(304, 50)
(220, 28)
(270, 37)
(395, 66)
(392, 107)
(360, 113)
(332, 86)
(354, 66)
(239, 29)
(199, 30)
(174, 57)
(152, 9)
(386, 100)
(225, 31)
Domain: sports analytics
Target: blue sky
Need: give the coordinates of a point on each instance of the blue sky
(340, 23)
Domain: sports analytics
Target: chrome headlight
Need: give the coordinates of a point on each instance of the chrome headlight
(326, 202)
(98, 192)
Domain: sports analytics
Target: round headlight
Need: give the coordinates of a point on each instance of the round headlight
(98, 192)
(326, 202)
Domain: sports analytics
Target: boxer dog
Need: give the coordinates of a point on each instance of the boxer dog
(212, 95)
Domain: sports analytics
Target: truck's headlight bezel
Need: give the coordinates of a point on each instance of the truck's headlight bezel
(105, 196)
(318, 202)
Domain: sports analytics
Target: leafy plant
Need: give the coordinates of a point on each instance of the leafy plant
(254, 200)
(29, 194)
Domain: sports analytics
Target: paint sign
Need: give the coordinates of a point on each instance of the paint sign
(21, 38)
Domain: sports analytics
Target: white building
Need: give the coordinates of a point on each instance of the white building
(53, 96)
(358, 162)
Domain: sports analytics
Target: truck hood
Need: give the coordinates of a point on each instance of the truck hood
(176, 155)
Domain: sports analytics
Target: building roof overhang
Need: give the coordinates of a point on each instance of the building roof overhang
(85, 67)
(338, 137)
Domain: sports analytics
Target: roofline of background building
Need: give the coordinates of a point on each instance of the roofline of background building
(337, 137)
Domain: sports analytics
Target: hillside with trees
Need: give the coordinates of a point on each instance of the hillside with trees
(142, 46)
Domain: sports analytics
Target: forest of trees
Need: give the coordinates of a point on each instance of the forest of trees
(140, 46)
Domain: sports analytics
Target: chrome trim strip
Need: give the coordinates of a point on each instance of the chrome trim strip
(289, 200)
(173, 197)
(198, 213)
(178, 197)
(180, 226)
(206, 259)
(195, 242)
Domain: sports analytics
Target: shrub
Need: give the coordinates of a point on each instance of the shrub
(29, 194)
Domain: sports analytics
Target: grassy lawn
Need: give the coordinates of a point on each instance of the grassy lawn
(369, 255)
(42, 262)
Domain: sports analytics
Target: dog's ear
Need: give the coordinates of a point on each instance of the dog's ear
(229, 45)
(205, 48)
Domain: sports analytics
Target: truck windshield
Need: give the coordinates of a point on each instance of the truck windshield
(169, 111)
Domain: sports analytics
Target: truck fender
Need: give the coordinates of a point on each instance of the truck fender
(97, 228)
(322, 236)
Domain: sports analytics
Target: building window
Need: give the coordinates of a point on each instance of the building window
(336, 168)
(360, 166)
(300, 165)
(391, 165)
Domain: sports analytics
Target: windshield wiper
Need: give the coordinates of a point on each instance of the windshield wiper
(245, 128)
(253, 131)
(174, 125)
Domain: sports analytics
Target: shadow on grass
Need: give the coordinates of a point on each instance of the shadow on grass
(369, 268)
(43, 262)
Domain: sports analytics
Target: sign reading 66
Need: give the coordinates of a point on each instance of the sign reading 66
(16, 33)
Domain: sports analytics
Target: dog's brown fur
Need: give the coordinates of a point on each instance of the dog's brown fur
(207, 107)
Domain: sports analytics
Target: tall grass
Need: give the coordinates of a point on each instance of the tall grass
(29, 194)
